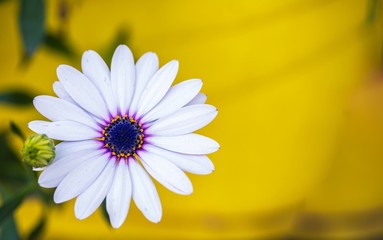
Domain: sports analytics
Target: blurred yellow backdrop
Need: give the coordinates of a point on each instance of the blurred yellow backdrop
(298, 118)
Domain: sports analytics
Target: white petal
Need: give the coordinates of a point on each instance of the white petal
(38, 169)
(185, 120)
(61, 93)
(188, 143)
(146, 66)
(118, 198)
(177, 97)
(197, 164)
(88, 201)
(60, 167)
(59, 90)
(80, 178)
(65, 148)
(123, 77)
(57, 109)
(199, 99)
(166, 173)
(94, 67)
(157, 87)
(144, 193)
(64, 130)
(82, 90)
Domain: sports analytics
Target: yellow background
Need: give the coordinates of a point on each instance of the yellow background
(300, 106)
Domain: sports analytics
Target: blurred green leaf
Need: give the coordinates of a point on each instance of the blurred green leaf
(105, 212)
(16, 97)
(9, 230)
(13, 174)
(46, 196)
(16, 130)
(38, 229)
(372, 11)
(122, 37)
(58, 44)
(31, 23)
(10, 204)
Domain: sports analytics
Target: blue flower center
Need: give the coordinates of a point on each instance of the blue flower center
(123, 136)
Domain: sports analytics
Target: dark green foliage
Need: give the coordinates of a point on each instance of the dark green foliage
(16, 130)
(32, 21)
(58, 44)
(16, 97)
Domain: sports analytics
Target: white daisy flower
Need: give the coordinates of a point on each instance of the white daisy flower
(115, 124)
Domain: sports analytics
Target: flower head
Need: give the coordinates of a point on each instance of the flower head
(38, 151)
(117, 123)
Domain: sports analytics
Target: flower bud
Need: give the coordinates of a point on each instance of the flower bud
(38, 150)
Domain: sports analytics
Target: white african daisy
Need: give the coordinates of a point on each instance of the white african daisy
(114, 124)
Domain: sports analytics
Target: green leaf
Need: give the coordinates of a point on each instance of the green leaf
(372, 11)
(122, 37)
(16, 97)
(13, 173)
(58, 44)
(16, 130)
(38, 229)
(9, 230)
(31, 23)
(105, 212)
(46, 196)
(9, 205)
